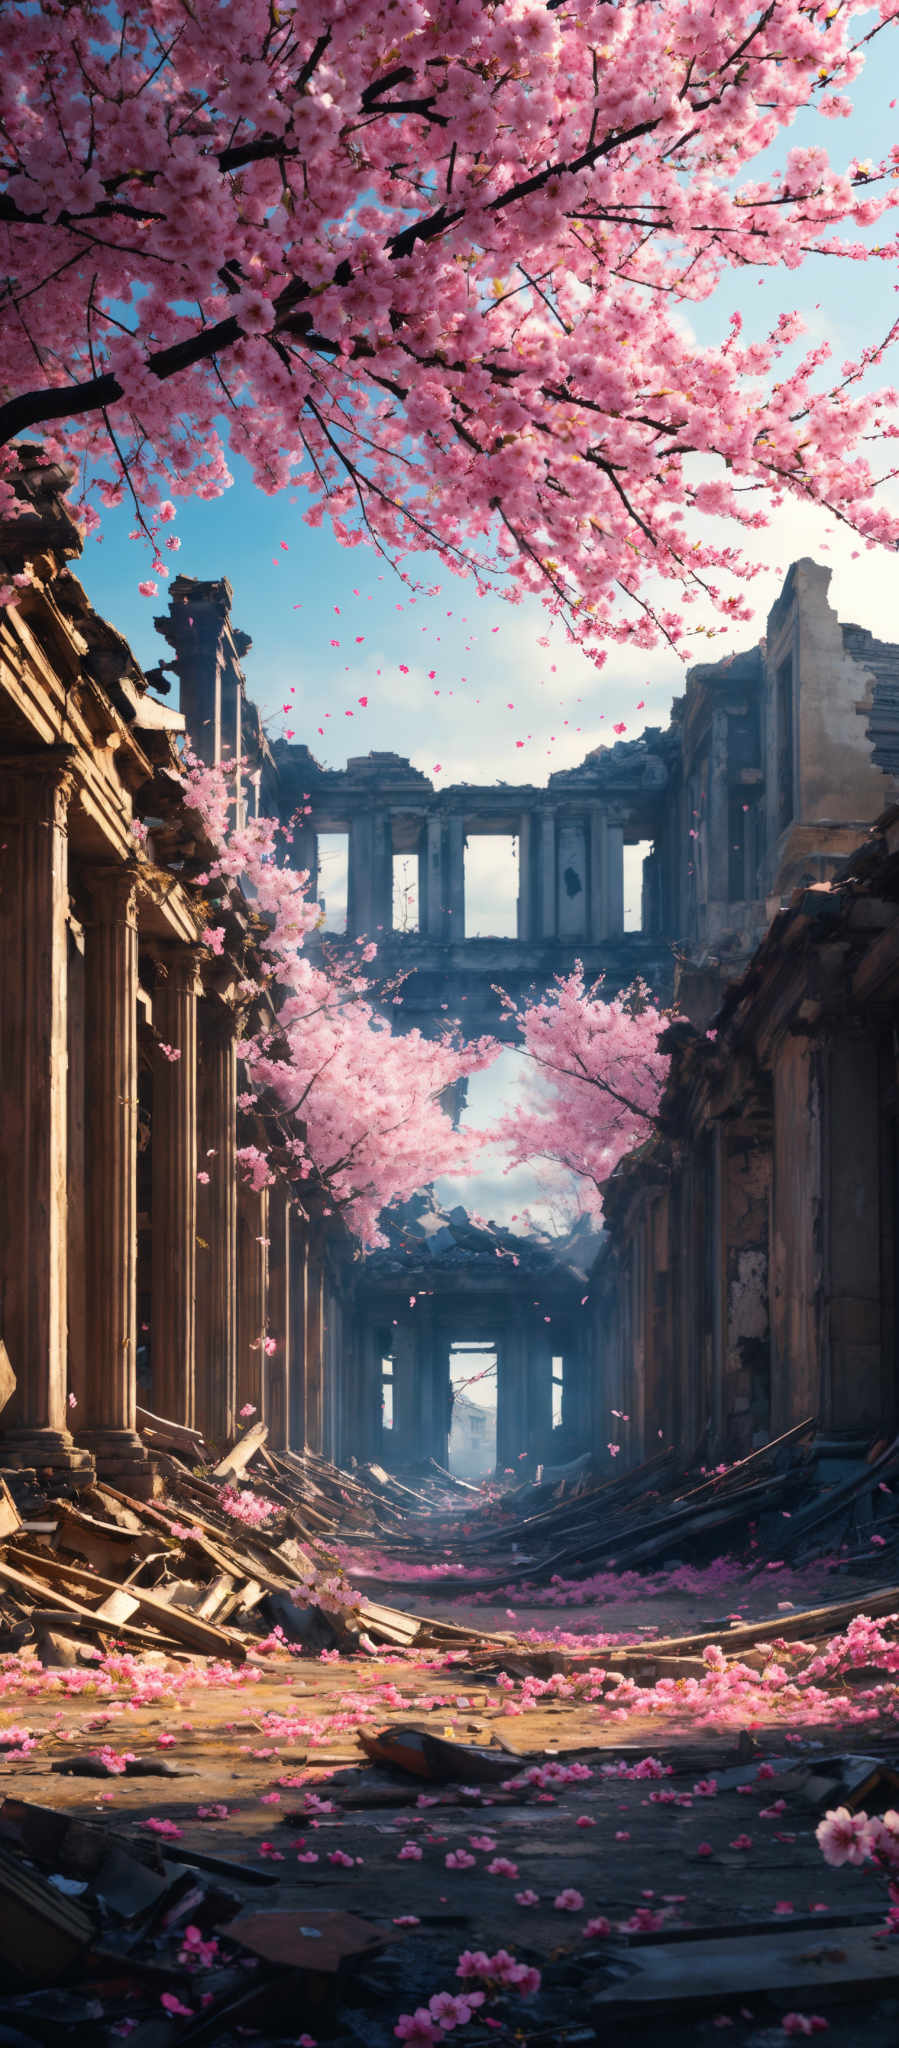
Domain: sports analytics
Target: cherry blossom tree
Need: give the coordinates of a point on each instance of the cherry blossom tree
(344, 1098)
(596, 1083)
(430, 260)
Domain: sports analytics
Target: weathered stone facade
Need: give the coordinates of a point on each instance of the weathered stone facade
(748, 1279)
(444, 1280)
(133, 1266)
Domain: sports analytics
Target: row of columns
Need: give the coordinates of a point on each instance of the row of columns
(237, 1286)
(571, 874)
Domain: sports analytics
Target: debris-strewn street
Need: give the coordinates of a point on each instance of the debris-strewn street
(399, 1800)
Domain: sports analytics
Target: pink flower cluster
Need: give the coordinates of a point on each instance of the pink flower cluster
(448, 2010)
(250, 1508)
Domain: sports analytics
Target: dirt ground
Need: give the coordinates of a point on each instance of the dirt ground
(715, 1860)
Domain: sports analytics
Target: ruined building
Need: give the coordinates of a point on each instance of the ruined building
(747, 1272)
(135, 1263)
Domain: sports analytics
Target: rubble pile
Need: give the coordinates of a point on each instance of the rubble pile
(332, 1819)
(225, 1554)
(790, 1500)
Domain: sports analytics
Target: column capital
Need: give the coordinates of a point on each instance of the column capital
(51, 773)
(180, 967)
(112, 888)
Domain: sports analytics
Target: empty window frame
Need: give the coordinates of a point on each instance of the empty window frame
(387, 1408)
(558, 1391)
(632, 863)
(405, 892)
(491, 885)
(333, 874)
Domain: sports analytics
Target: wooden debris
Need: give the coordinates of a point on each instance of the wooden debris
(238, 1458)
(7, 1376)
(41, 1932)
(173, 1436)
(664, 1979)
(10, 1521)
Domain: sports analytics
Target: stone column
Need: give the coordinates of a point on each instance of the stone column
(511, 1394)
(524, 875)
(315, 1341)
(252, 1296)
(107, 1402)
(403, 1442)
(573, 877)
(273, 1405)
(434, 917)
(455, 890)
(298, 1246)
(174, 1141)
(540, 1347)
(217, 1224)
(382, 875)
(546, 874)
(597, 832)
(613, 881)
(360, 918)
(34, 798)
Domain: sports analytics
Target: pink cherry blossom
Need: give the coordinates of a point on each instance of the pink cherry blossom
(417, 2028)
(595, 1087)
(844, 1837)
(498, 364)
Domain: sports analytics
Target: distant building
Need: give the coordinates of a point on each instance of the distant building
(472, 1443)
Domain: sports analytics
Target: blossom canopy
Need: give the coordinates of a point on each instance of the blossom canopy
(429, 259)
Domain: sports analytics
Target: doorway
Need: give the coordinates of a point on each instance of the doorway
(472, 1440)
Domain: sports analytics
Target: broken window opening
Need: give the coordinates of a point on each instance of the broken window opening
(386, 1391)
(742, 847)
(491, 885)
(405, 913)
(472, 1442)
(333, 872)
(558, 1390)
(632, 864)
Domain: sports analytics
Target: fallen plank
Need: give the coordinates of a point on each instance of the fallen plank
(719, 1481)
(10, 1520)
(118, 1606)
(238, 1458)
(807, 1622)
(7, 1376)
(36, 1590)
(171, 1621)
(670, 1977)
(210, 1544)
(831, 1504)
(103, 1544)
(176, 1433)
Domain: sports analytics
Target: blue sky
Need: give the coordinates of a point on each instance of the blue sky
(453, 679)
